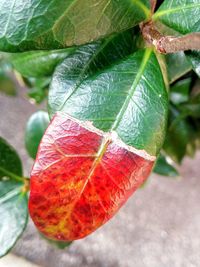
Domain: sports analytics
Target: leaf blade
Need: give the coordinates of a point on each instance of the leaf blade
(69, 23)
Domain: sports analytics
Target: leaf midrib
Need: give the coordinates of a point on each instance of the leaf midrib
(85, 68)
(124, 107)
(11, 175)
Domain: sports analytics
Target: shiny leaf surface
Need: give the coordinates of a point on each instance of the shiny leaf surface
(181, 15)
(39, 24)
(128, 97)
(38, 63)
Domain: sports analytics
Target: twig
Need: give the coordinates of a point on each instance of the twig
(153, 5)
(169, 44)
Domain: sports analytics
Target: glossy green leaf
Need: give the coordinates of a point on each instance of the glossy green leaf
(35, 129)
(179, 92)
(13, 203)
(38, 63)
(164, 167)
(128, 97)
(10, 163)
(194, 59)
(40, 24)
(177, 66)
(181, 15)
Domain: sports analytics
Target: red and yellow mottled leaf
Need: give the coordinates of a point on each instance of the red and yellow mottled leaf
(81, 177)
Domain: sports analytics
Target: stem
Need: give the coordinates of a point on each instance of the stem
(169, 44)
(153, 5)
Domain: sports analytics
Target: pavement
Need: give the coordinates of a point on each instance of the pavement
(158, 227)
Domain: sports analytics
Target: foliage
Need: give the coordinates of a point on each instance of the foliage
(91, 65)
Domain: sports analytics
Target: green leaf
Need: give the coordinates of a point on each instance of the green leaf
(194, 59)
(13, 214)
(13, 203)
(35, 129)
(128, 97)
(179, 134)
(40, 24)
(177, 66)
(192, 107)
(164, 167)
(179, 92)
(38, 63)
(10, 163)
(181, 15)
(57, 244)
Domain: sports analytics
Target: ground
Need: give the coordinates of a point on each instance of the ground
(158, 227)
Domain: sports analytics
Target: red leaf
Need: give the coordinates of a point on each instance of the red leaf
(81, 177)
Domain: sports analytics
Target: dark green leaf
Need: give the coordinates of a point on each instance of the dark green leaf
(40, 24)
(10, 163)
(13, 203)
(128, 97)
(181, 15)
(179, 134)
(179, 92)
(194, 58)
(35, 129)
(177, 66)
(38, 63)
(164, 167)
(192, 107)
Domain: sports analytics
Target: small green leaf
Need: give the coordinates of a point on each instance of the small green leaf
(164, 167)
(38, 63)
(181, 15)
(177, 66)
(13, 202)
(179, 92)
(35, 129)
(194, 59)
(57, 244)
(57, 24)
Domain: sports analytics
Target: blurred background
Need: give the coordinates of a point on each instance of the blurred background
(158, 227)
